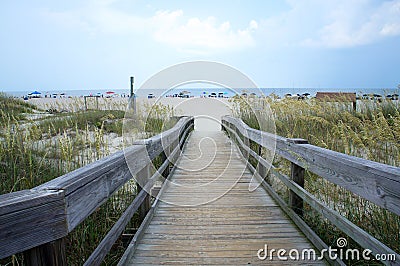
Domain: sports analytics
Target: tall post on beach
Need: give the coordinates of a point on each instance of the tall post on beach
(133, 96)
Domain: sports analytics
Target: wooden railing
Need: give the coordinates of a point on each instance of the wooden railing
(376, 182)
(36, 221)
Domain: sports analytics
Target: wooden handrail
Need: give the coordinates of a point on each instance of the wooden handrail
(142, 199)
(376, 182)
(48, 212)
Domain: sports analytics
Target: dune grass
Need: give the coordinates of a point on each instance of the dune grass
(33, 152)
(372, 132)
(14, 107)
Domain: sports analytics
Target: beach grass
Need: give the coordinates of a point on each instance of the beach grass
(37, 146)
(371, 132)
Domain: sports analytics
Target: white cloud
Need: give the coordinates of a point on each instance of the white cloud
(357, 23)
(315, 23)
(189, 34)
(199, 35)
(392, 29)
(253, 25)
(333, 24)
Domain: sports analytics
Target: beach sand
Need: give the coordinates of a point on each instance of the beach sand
(207, 111)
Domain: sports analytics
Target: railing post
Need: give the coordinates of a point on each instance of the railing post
(52, 253)
(297, 175)
(164, 157)
(262, 171)
(173, 146)
(142, 177)
(223, 126)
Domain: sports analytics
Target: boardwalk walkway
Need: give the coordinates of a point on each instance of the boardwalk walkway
(209, 217)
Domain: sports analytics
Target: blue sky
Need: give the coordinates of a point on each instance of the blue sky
(79, 44)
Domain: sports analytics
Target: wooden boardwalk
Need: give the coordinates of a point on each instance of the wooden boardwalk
(207, 216)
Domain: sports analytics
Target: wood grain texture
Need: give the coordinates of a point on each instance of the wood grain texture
(376, 182)
(297, 176)
(259, 173)
(52, 253)
(353, 231)
(105, 245)
(31, 218)
(211, 217)
(141, 201)
(34, 218)
(159, 143)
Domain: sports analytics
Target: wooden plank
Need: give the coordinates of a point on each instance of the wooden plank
(135, 155)
(143, 177)
(359, 235)
(156, 144)
(311, 235)
(376, 182)
(105, 245)
(217, 261)
(84, 201)
(89, 187)
(48, 212)
(308, 232)
(186, 234)
(353, 231)
(297, 176)
(220, 245)
(80, 177)
(52, 253)
(34, 219)
(142, 200)
(143, 226)
(138, 236)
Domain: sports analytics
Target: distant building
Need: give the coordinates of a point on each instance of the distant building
(338, 97)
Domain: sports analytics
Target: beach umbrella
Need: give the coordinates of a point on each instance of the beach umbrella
(35, 93)
(110, 92)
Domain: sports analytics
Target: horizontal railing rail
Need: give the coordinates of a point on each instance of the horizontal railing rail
(376, 182)
(40, 218)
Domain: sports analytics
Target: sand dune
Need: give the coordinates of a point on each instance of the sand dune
(207, 111)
